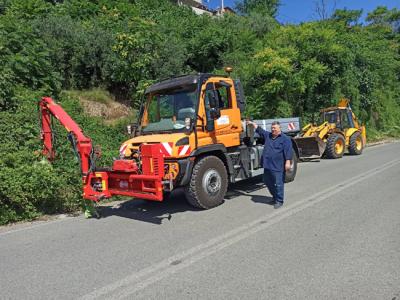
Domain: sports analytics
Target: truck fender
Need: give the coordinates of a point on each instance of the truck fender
(218, 150)
(349, 133)
(208, 148)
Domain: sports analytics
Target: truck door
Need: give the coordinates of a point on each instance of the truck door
(228, 126)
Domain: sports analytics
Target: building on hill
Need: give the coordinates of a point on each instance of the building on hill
(197, 6)
(227, 10)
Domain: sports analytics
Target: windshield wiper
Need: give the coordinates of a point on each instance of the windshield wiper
(157, 131)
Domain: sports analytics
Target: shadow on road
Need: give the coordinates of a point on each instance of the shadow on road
(159, 212)
(149, 211)
(245, 187)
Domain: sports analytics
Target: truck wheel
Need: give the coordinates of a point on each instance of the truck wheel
(166, 195)
(291, 174)
(208, 183)
(356, 144)
(335, 146)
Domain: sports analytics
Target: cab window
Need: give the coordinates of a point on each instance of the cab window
(344, 119)
(223, 94)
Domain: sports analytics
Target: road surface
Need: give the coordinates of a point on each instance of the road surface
(337, 237)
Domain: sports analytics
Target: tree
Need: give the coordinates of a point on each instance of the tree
(267, 7)
(383, 16)
(323, 10)
(349, 17)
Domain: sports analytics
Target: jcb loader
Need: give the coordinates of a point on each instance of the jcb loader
(339, 129)
(190, 133)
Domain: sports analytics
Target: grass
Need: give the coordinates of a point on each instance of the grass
(374, 135)
(95, 95)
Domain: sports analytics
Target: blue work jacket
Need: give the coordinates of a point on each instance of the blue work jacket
(276, 151)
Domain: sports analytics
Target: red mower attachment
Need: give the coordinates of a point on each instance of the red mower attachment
(141, 178)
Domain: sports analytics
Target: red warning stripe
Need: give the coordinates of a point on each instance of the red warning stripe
(184, 150)
(166, 149)
(291, 126)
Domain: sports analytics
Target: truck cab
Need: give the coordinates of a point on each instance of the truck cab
(197, 120)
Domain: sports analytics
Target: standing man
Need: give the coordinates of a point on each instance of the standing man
(277, 156)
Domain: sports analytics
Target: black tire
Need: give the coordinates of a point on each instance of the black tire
(331, 149)
(166, 195)
(355, 139)
(291, 174)
(208, 183)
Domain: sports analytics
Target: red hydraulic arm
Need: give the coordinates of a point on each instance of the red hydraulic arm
(49, 108)
(125, 178)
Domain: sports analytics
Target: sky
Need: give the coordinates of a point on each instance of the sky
(296, 11)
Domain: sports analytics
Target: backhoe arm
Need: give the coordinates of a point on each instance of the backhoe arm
(82, 144)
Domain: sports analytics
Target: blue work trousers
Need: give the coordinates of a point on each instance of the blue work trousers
(274, 181)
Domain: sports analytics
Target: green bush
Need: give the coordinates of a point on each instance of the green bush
(29, 185)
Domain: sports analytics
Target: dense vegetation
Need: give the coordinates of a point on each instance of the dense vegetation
(47, 47)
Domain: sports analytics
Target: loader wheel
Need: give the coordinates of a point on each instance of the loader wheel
(291, 174)
(335, 146)
(356, 144)
(208, 183)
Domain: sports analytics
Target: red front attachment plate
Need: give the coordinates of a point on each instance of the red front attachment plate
(125, 178)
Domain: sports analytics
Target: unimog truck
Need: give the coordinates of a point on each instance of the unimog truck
(191, 133)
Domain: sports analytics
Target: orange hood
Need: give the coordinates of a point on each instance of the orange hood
(168, 142)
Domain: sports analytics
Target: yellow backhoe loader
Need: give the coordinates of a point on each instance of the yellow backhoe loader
(339, 128)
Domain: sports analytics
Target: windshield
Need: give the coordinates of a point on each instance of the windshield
(171, 110)
(328, 116)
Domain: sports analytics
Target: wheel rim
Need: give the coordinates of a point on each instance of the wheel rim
(339, 146)
(359, 144)
(212, 182)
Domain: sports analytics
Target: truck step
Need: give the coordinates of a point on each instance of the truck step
(233, 153)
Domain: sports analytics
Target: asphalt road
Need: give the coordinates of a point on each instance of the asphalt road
(337, 237)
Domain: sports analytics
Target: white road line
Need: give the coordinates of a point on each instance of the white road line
(141, 279)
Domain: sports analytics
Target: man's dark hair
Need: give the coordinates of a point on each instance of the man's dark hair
(275, 123)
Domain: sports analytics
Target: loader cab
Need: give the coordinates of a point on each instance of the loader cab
(341, 117)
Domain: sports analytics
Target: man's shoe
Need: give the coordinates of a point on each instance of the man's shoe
(278, 205)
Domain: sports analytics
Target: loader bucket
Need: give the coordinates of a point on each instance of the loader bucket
(310, 147)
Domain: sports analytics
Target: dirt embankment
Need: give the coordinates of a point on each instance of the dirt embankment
(100, 103)
(111, 111)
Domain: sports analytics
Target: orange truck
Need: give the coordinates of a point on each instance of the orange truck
(191, 133)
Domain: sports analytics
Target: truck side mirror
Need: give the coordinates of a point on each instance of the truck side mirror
(131, 129)
(213, 100)
(212, 111)
(215, 112)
